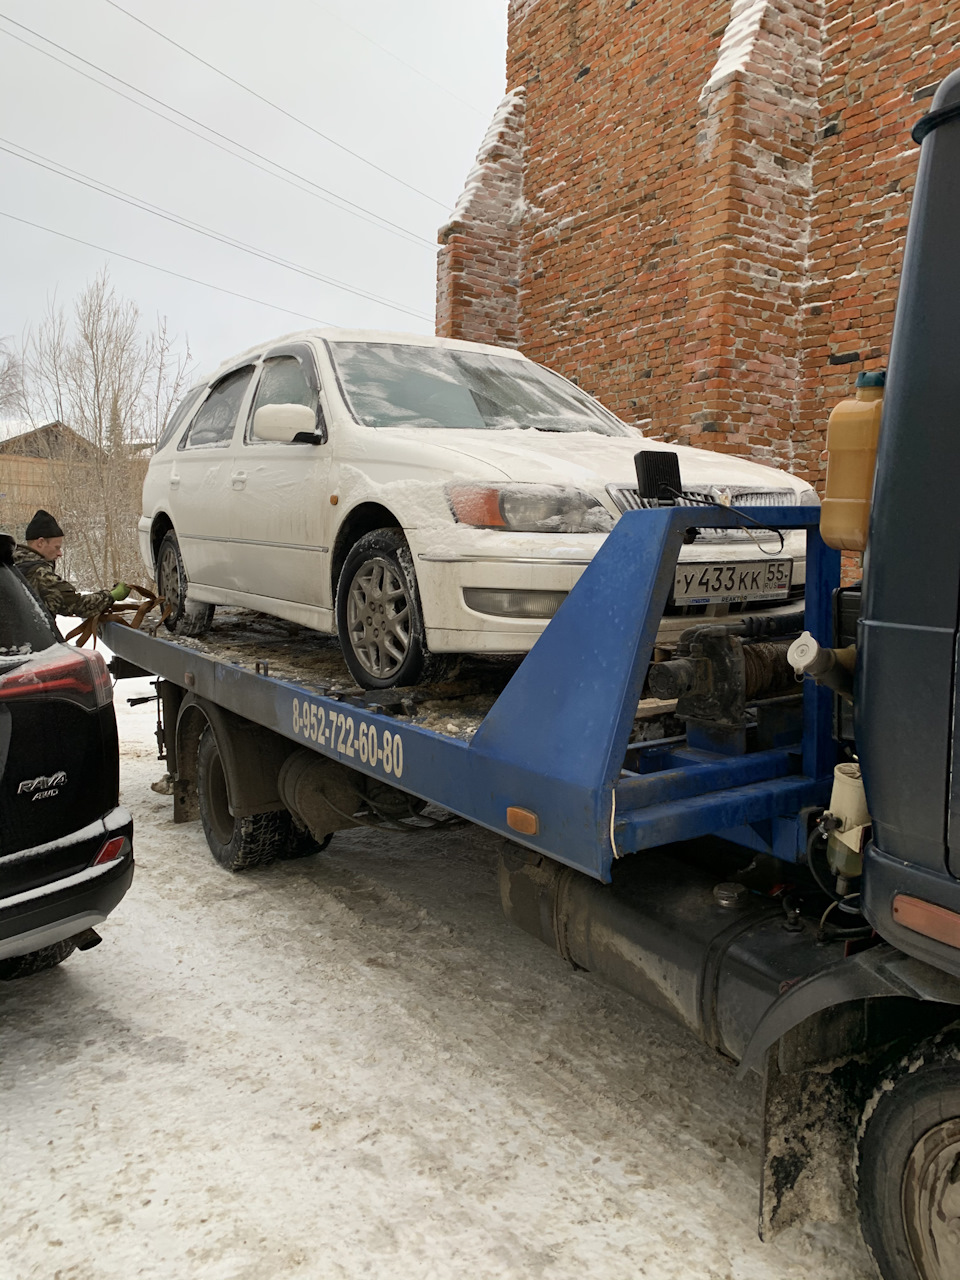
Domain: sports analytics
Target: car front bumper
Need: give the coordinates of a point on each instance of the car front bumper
(543, 562)
(67, 906)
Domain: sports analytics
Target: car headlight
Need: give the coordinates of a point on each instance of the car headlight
(808, 497)
(529, 508)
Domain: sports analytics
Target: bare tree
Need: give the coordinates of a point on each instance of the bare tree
(101, 374)
(9, 378)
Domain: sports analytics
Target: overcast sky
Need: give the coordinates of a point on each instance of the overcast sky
(407, 86)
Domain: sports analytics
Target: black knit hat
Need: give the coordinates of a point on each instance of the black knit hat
(43, 525)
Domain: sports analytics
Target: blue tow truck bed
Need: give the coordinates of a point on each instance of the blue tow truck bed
(551, 762)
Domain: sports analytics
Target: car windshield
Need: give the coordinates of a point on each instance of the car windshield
(389, 385)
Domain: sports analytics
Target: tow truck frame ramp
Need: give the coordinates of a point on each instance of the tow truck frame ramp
(632, 859)
(552, 765)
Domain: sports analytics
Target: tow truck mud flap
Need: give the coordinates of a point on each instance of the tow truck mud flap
(809, 1128)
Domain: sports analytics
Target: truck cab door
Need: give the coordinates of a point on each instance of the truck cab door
(280, 490)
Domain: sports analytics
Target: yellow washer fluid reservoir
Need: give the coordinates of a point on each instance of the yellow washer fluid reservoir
(852, 435)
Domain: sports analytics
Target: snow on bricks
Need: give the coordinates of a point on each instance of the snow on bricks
(480, 261)
(699, 214)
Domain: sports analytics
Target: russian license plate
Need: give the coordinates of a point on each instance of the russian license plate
(732, 583)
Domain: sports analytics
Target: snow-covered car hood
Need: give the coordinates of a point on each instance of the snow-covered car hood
(587, 459)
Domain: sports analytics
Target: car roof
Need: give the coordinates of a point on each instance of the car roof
(359, 335)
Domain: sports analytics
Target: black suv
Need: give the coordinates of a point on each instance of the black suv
(66, 848)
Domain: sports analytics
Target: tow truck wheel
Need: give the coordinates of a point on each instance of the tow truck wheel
(36, 961)
(236, 843)
(379, 619)
(908, 1168)
(186, 617)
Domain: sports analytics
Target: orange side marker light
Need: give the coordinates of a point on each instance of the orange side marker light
(523, 820)
(927, 918)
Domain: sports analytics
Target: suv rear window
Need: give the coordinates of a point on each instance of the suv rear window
(24, 627)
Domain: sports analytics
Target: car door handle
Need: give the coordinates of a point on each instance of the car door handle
(238, 479)
(174, 482)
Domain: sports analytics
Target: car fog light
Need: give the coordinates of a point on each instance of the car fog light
(513, 604)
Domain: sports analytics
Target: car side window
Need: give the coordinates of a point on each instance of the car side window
(284, 379)
(216, 418)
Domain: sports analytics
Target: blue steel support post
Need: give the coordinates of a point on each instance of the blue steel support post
(823, 576)
(555, 739)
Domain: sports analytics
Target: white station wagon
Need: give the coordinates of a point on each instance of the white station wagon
(424, 496)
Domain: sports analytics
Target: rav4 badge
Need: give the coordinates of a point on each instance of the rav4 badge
(42, 788)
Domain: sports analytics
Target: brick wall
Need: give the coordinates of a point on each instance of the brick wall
(880, 69)
(699, 211)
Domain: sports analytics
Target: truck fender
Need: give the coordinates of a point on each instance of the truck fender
(252, 757)
(839, 999)
(818, 1049)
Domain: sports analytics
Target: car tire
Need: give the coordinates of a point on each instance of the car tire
(908, 1165)
(237, 844)
(186, 617)
(36, 961)
(379, 615)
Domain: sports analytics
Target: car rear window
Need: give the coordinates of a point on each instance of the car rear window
(392, 385)
(24, 627)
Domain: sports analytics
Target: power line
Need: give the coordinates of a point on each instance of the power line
(166, 270)
(73, 175)
(276, 107)
(285, 175)
(396, 57)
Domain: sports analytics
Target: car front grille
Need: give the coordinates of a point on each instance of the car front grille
(628, 498)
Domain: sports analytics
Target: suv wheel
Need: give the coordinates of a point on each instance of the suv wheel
(186, 617)
(36, 961)
(379, 618)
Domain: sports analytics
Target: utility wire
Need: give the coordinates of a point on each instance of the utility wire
(166, 270)
(73, 175)
(396, 57)
(284, 175)
(276, 106)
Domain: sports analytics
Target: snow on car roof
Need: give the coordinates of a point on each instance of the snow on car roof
(362, 335)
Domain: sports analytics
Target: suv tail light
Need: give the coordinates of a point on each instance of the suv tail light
(61, 672)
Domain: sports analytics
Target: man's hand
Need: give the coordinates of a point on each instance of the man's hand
(120, 591)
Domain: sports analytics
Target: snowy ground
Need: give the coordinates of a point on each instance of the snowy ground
(353, 1066)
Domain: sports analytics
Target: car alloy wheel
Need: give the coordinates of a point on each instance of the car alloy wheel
(379, 618)
(169, 582)
(184, 617)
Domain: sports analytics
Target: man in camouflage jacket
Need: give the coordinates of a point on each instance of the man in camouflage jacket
(35, 560)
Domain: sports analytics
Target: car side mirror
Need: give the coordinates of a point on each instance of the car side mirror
(282, 423)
